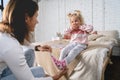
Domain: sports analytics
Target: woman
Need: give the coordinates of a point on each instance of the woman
(19, 19)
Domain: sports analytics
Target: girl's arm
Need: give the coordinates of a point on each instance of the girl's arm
(87, 28)
(67, 34)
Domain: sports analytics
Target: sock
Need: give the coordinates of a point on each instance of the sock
(60, 64)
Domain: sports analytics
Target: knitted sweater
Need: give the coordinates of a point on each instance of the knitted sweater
(80, 35)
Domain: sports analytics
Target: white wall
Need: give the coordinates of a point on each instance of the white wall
(102, 14)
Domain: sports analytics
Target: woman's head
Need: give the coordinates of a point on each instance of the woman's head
(21, 18)
(76, 19)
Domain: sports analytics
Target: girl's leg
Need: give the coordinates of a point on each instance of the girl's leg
(60, 64)
(64, 52)
(74, 52)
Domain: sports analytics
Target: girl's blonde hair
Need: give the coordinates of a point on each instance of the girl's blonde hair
(77, 13)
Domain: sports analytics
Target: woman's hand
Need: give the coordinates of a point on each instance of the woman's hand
(44, 48)
(37, 47)
(60, 74)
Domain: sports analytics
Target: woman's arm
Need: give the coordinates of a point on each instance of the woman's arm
(15, 60)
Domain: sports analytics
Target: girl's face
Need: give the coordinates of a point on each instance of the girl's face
(74, 22)
(32, 21)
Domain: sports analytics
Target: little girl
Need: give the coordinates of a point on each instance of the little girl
(78, 35)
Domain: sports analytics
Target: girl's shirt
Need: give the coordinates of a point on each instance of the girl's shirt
(11, 55)
(80, 35)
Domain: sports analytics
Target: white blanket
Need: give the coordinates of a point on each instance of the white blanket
(90, 65)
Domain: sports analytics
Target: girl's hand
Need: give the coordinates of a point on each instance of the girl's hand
(94, 32)
(67, 37)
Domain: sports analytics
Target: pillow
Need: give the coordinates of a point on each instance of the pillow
(112, 33)
(93, 37)
(104, 41)
(107, 40)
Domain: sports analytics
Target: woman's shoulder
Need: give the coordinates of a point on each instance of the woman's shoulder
(6, 40)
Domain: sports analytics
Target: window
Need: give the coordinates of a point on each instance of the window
(2, 5)
(1, 8)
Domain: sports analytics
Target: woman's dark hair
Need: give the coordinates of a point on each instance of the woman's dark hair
(14, 16)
